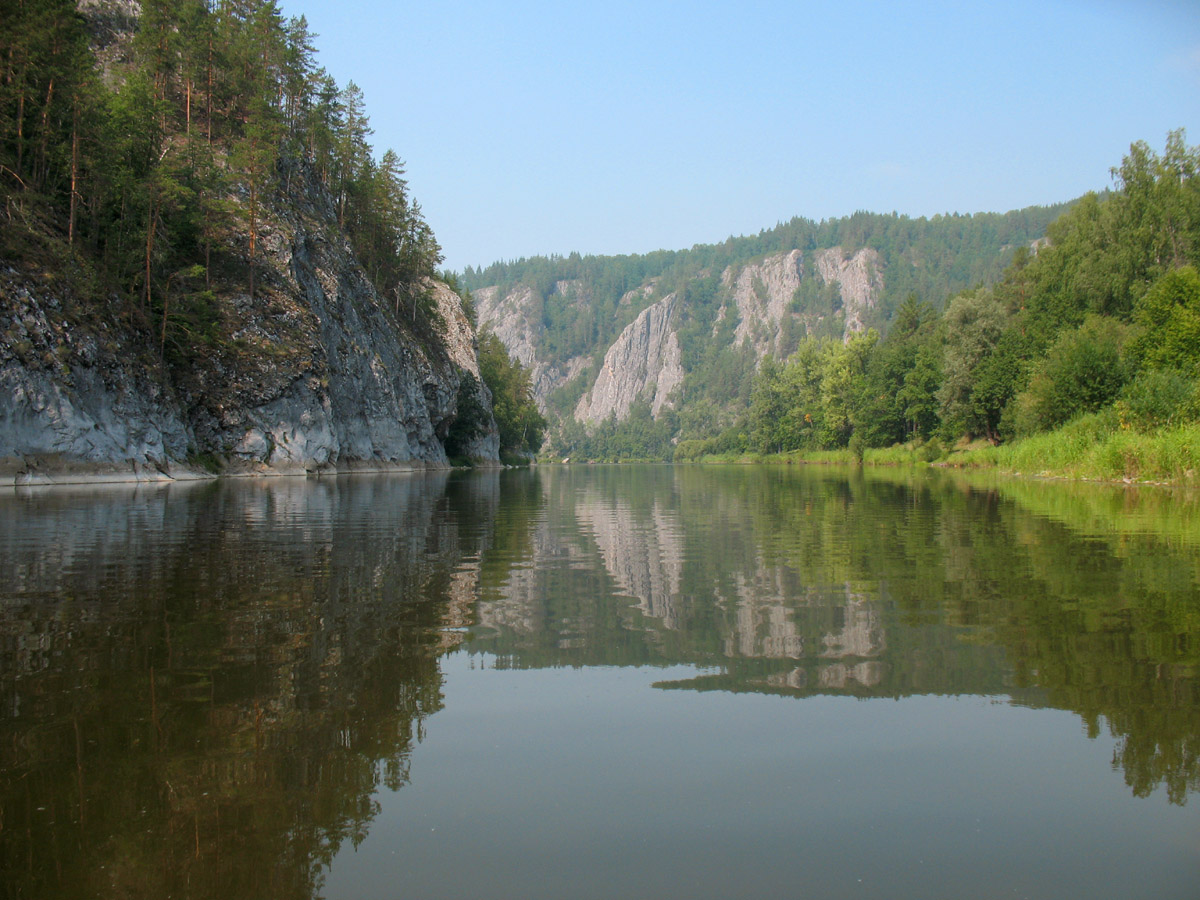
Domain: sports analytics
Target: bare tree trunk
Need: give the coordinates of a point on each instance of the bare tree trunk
(21, 130)
(207, 247)
(162, 341)
(149, 249)
(74, 170)
(208, 125)
(253, 232)
(41, 161)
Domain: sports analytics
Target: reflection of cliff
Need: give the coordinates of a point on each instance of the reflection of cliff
(763, 626)
(861, 632)
(881, 584)
(202, 687)
(516, 603)
(642, 552)
(551, 608)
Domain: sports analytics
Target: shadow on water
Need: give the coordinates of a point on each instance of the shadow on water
(203, 688)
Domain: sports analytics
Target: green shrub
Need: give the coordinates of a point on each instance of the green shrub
(857, 446)
(1158, 398)
(931, 451)
(1169, 313)
(1081, 373)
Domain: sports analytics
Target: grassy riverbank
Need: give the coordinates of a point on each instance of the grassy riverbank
(1091, 448)
(1096, 448)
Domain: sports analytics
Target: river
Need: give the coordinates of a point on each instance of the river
(601, 682)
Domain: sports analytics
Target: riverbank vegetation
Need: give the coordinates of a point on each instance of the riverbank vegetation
(1091, 448)
(1083, 360)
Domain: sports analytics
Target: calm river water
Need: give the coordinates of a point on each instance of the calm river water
(601, 682)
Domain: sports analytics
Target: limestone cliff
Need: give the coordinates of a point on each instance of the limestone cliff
(515, 318)
(643, 363)
(459, 338)
(263, 347)
(859, 280)
(76, 399)
(314, 373)
(767, 304)
(762, 294)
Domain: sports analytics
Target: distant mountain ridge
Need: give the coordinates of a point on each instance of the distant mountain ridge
(682, 332)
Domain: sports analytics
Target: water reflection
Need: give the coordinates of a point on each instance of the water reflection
(802, 582)
(203, 689)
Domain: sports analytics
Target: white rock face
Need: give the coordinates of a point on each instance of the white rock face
(515, 319)
(511, 318)
(645, 361)
(858, 278)
(762, 293)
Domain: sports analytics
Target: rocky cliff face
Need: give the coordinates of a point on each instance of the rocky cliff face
(644, 363)
(859, 279)
(459, 338)
(314, 373)
(515, 318)
(762, 294)
(73, 397)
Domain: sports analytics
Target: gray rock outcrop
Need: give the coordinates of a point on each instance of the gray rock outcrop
(515, 318)
(858, 278)
(73, 402)
(644, 362)
(316, 373)
(762, 294)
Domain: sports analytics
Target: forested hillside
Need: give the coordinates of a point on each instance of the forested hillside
(149, 168)
(726, 307)
(875, 330)
(940, 256)
(1102, 321)
(203, 258)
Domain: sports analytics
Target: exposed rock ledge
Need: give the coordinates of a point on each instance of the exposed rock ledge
(314, 375)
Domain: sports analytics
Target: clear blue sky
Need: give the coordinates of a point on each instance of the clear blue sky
(616, 127)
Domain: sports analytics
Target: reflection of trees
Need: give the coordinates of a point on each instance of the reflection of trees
(875, 585)
(203, 688)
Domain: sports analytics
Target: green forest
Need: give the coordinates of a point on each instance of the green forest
(1091, 334)
(149, 171)
(1102, 321)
